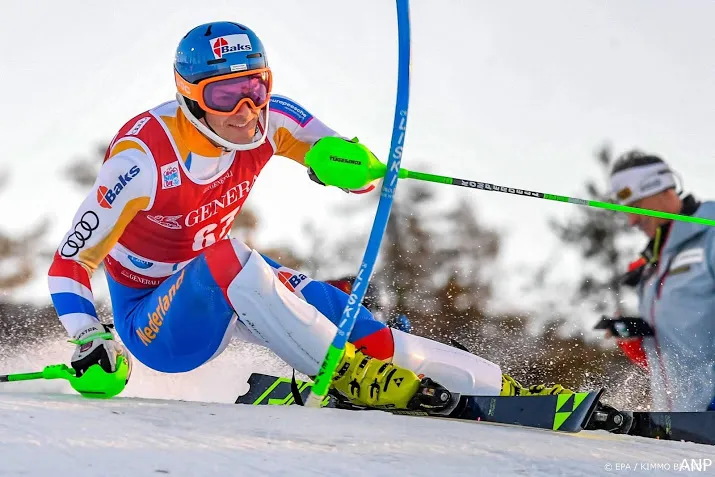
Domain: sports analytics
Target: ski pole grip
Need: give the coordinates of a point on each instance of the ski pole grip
(58, 371)
(53, 371)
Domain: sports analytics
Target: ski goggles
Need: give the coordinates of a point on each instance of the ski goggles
(224, 95)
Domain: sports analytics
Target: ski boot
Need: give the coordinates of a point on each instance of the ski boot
(511, 387)
(369, 382)
(608, 418)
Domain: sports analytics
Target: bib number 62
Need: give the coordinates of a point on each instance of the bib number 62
(206, 236)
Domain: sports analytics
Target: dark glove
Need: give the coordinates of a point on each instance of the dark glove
(314, 178)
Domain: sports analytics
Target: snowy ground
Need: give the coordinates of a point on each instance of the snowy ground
(44, 431)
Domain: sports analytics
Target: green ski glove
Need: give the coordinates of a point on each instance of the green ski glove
(337, 162)
(102, 365)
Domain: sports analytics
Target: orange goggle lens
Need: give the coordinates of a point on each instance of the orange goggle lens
(224, 95)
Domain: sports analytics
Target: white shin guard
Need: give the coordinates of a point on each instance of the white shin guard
(292, 328)
(270, 315)
(457, 370)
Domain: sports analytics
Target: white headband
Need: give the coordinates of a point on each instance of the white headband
(634, 183)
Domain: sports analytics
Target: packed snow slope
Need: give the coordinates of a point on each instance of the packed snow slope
(160, 427)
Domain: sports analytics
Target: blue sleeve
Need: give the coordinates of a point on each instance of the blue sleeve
(710, 252)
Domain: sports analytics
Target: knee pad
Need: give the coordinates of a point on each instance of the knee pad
(457, 370)
(292, 328)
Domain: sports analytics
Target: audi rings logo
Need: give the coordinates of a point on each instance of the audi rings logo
(82, 232)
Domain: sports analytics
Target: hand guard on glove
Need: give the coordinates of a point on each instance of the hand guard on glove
(96, 345)
(348, 149)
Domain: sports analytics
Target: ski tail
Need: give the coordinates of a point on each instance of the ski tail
(675, 426)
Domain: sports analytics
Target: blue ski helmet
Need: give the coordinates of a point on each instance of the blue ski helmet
(215, 49)
(218, 48)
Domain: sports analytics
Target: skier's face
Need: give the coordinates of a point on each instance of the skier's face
(238, 128)
(662, 202)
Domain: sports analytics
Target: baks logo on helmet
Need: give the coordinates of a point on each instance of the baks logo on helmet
(225, 45)
(107, 195)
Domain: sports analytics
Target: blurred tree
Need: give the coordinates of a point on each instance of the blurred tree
(83, 171)
(316, 262)
(466, 255)
(408, 259)
(436, 264)
(245, 227)
(598, 236)
(19, 253)
(19, 257)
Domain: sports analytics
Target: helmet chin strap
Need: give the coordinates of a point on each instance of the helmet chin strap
(215, 137)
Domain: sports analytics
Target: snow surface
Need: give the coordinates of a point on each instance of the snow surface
(159, 427)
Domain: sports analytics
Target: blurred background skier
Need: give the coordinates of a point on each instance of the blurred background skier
(675, 282)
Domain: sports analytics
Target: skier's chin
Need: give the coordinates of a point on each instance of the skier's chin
(239, 134)
(237, 138)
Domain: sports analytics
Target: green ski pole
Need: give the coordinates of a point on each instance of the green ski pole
(354, 173)
(404, 173)
(94, 383)
(53, 371)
